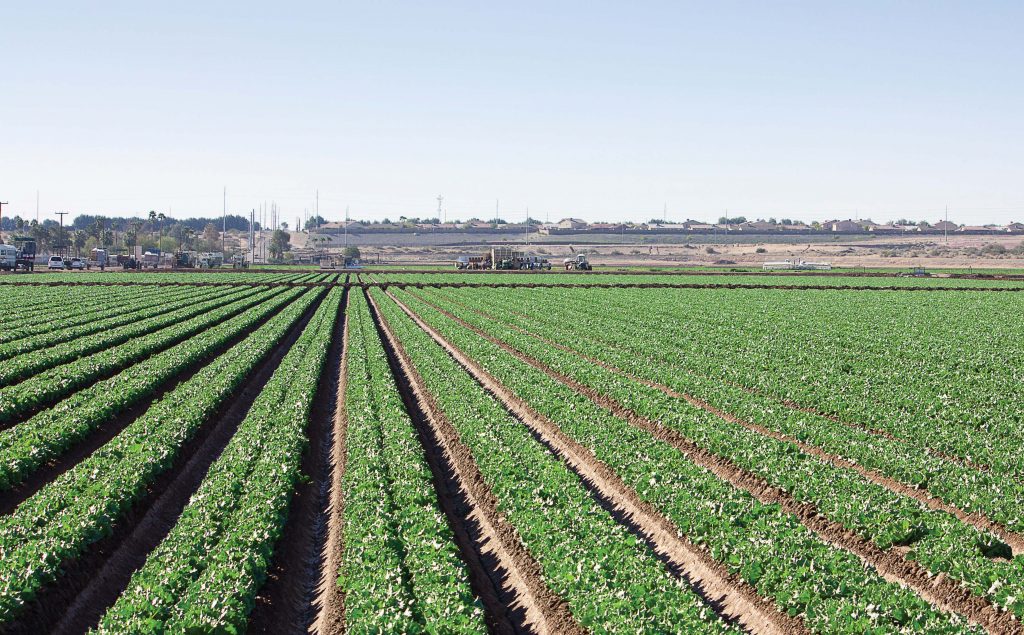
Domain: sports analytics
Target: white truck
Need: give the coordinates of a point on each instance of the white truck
(209, 260)
(97, 258)
(151, 260)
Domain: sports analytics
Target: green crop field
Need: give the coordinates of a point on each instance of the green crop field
(441, 452)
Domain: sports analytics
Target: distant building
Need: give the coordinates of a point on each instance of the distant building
(844, 226)
(572, 223)
(944, 225)
(669, 227)
(758, 226)
(885, 229)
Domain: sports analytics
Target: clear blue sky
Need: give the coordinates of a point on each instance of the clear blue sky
(605, 110)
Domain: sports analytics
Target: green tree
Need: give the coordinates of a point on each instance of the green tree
(351, 252)
(211, 237)
(279, 244)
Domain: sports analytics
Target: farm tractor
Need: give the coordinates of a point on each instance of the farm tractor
(579, 263)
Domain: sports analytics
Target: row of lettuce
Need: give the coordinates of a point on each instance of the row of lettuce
(401, 570)
(204, 576)
(935, 539)
(49, 530)
(45, 436)
(582, 278)
(139, 278)
(770, 549)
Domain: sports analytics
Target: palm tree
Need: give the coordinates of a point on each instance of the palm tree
(79, 239)
(161, 217)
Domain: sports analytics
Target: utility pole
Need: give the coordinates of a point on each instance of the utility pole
(440, 199)
(61, 234)
(527, 227)
(1, 219)
(664, 214)
(37, 207)
(945, 227)
(224, 224)
(252, 236)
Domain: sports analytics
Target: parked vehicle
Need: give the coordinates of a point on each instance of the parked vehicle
(77, 263)
(26, 247)
(151, 259)
(185, 259)
(579, 263)
(8, 257)
(97, 258)
(55, 262)
(209, 260)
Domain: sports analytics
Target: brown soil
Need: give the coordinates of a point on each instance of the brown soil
(736, 600)
(503, 573)
(942, 592)
(285, 603)
(93, 582)
(329, 602)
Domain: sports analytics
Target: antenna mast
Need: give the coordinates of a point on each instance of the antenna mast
(61, 246)
(945, 226)
(1, 219)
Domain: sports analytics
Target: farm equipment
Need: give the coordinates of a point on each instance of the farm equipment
(209, 260)
(506, 258)
(916, 272)
(502, 258)
(185, 259)
(799, 265)
(97, 258)
(26, 254)
(536, 263)
(579, 263)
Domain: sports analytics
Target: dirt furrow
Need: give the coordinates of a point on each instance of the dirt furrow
(286, 602)
(731, 596)
(93, 582)
(505, 575)
(941, 591)
(329, 600)
(1013, 539)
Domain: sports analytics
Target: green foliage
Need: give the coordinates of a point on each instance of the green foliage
(59, 521)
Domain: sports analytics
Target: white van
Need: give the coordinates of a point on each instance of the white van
(8, 257)
(55, 262)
